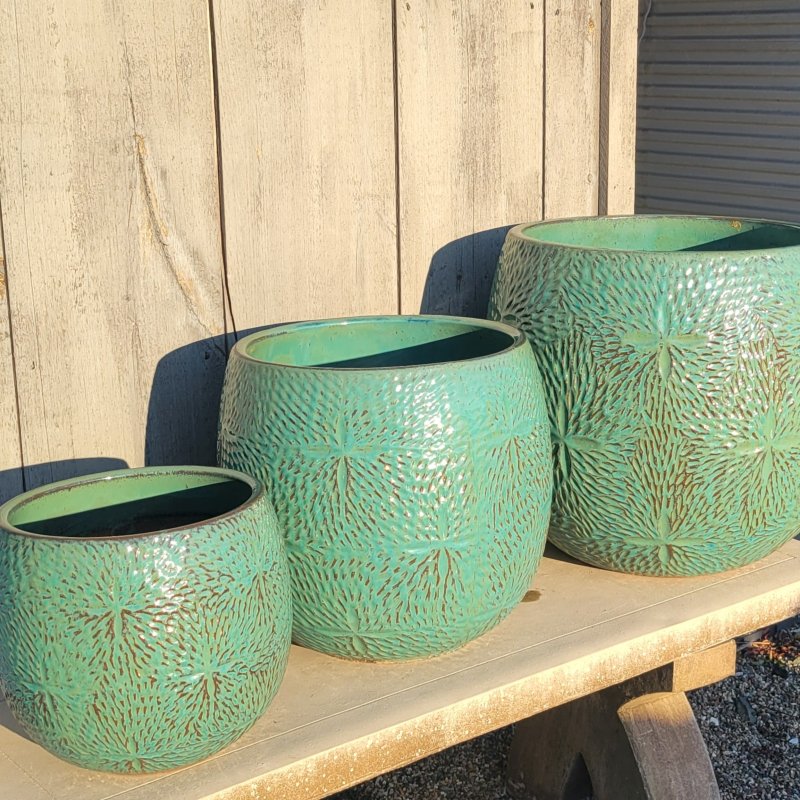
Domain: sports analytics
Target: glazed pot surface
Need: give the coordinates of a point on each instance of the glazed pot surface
(145, 615)
(669, 348)
(408, 460)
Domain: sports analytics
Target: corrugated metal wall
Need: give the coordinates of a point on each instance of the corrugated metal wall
(719, 108)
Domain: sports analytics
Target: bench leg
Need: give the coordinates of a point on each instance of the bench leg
(637, 740)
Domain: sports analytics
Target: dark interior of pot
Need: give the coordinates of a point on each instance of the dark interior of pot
(379, 342)
(666, 234)
(130, 504)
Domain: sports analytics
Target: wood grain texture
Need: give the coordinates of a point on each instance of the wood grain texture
(108, 175)
(703, 668)
(10, 456)
(572, 107)
(637, 739)
(110, 214)
(619, 50)
(470, 144)
(669, 748)
(306, 111)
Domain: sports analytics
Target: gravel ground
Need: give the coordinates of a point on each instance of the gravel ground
(751, 721)
(751, 724)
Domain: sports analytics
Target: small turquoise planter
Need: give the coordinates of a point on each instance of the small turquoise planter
(670, 352)
(408, 459)
(145, 615)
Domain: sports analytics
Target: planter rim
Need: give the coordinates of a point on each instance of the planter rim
(257, 490)
(518, 231)
(518, 339)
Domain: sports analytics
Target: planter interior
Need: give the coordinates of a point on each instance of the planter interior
(129, 505)
(379, 342)
(662, 234)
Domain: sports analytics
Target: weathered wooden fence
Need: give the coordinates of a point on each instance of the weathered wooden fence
(173, 172)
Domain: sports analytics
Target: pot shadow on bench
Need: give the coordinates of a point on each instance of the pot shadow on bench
(7, 720)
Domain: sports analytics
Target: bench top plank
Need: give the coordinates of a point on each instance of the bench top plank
(335, 723)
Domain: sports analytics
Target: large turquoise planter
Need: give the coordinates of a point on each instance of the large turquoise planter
(670, 351)
(145, 615)
(408, 459)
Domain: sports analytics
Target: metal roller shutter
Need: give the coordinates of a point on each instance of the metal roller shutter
(718, 126)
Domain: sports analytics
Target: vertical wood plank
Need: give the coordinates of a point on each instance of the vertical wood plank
(306, 110)
(619, 46)
(110, 212)
(572, 107)
(470, 144)
(10, 456)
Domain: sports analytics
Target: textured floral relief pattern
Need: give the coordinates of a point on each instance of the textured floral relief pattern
(520, 298)
(664, 340)
(414, 501)
(783, 304)
(672, 522)
(584, 436)
(674, 414)
(144, 654)
(587, 444)
(757, 431)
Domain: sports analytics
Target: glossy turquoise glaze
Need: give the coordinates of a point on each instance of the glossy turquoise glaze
(408, 459)
(145, 615)
(670, 352)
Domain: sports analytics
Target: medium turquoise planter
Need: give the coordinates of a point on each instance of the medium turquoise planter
(145, 615)
(670, 352)
(408, 459)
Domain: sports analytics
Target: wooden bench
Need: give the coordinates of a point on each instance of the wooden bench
(594, 664)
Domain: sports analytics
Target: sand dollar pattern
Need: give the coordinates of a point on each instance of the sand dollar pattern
(673, 407)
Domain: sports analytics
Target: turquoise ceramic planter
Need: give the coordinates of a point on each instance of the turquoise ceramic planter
(670, 351)
(408, 459)
(145, 615)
